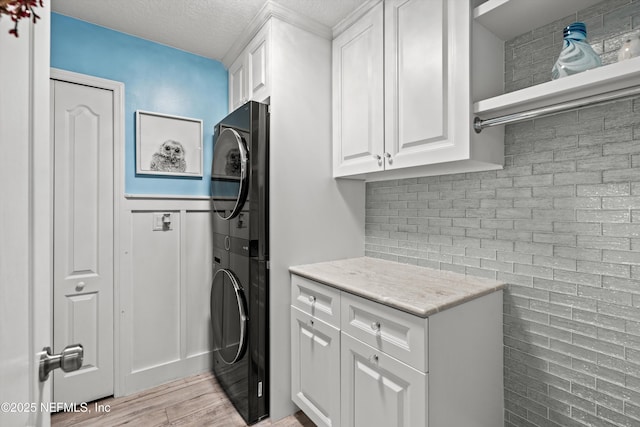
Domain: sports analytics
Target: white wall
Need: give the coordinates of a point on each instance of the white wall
(165, 281)
(312, 216)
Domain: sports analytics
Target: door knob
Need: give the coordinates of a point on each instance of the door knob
(69, 360)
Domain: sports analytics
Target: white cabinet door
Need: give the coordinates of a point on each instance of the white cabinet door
(257, 53)
(237, 83)
(378, 390)
(315, 368)
(249, 74)
(358, 96)
(426, 83)
(418, 71)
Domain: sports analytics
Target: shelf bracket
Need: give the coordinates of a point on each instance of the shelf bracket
(604, 98)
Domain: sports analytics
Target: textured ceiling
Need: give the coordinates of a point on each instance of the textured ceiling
(204, 27)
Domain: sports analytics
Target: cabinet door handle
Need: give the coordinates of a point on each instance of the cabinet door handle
(373, 358)
(378, 158)
(312, 299)
(375, 326)
(388, 156)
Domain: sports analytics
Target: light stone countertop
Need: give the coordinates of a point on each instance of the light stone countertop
(416, 290)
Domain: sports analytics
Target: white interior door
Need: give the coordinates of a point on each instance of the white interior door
(83, 237)
(25, 225)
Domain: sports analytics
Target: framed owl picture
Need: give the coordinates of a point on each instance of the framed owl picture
(168, 145)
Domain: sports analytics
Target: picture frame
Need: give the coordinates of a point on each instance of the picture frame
(168, 145)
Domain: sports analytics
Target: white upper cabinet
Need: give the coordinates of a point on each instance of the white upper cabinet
(402, 95)
(358, 96)
(249, 73)
(416, 89)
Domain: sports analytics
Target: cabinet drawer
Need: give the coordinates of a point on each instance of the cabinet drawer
(396, 333)
(320, 301)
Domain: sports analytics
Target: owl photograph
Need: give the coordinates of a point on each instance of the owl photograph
(168, 145)
(170, 157)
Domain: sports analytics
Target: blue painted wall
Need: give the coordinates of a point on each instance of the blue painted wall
(157, 78)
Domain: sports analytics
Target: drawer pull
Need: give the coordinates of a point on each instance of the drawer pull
(375, 326)
(373, 358)
(312, 299)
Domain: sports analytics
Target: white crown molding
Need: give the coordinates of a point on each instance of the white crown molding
(353, 17)
(268, 11)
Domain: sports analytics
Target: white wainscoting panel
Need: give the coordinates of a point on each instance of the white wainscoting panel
(156, 292)
(198, 252)
(164, 298)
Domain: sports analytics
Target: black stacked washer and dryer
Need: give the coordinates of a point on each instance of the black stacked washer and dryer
(240, 288)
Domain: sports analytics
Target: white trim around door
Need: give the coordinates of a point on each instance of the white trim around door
(118, 188)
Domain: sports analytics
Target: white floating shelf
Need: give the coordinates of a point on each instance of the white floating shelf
(592, 82)
(510, 18)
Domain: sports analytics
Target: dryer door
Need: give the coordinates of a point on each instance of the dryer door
(229, 173)
(228, 316)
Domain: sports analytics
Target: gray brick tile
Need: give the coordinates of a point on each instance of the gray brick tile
(554, 214)
(579, 278)
(543, 203)
(578, 253)
(555, 262)
(621, 284)
(621, 257)
(578, 203)
(555, 167)
(621, 202)
(604, 163)
(577, 178)
(605, 242)
(577, 228)
(598, 345)
(496, 203)
(578, 153)
(598, 319)
(609, 269)
(576, 378)
(534, 248)
(514, 257)
(618, 364)
(554, 287)
(610, 134)
(621, 230)
(603, 216)
(621, 175)
(623, 312)
(620, 189)
(582, 128)
(616, 417)
(616, 390)
(623, 147)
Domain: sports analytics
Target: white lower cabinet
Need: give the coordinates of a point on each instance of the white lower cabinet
(378, 390)
(315, 368)
(369, 365)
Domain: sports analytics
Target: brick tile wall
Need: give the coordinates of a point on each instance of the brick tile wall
(560, 224)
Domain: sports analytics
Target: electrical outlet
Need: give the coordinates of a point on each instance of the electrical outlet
(162, 221)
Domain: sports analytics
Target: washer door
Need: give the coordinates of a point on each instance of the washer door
(228, 316)
(229, 173)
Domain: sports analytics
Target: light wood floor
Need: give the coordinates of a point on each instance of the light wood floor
(194, 401)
